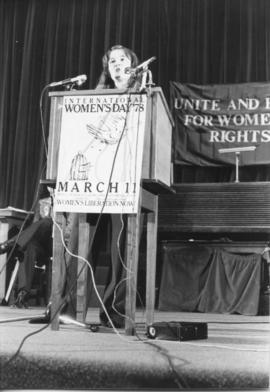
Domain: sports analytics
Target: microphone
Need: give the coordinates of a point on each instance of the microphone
(77, 79)
(141, 67)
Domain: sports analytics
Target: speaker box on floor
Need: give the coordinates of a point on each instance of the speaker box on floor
(175, 330)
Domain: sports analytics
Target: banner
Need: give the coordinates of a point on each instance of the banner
(211, 118)
(100, 155)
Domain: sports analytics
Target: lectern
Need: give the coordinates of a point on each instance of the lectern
(154, 178)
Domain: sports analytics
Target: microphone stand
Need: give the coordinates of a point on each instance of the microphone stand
(150, 82)
(70, 86)
(147, 81)
(68, 320)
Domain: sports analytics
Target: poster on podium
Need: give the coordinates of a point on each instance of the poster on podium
(100, 155)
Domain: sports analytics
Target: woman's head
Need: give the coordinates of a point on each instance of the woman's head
(115, 61)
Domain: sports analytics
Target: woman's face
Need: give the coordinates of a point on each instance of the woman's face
(117, 64)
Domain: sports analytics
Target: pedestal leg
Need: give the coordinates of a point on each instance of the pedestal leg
(132, 269)
(58, 272)
(151, 257)
(83, 272)
(3, 259)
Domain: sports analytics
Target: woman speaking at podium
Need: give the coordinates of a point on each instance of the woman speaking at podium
(116, 63)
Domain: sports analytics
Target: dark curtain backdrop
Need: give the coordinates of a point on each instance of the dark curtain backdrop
(198, 278)
(195, 41)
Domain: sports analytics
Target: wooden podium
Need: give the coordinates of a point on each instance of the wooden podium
(155, 179)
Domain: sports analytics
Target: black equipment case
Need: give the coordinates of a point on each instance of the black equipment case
(175, 330)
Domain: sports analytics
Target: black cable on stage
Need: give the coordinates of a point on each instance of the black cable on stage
(15, 355)
(179, 381)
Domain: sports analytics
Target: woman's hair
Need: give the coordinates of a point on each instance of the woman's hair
(105, 80)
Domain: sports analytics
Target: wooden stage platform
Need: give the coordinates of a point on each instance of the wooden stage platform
(235, 356)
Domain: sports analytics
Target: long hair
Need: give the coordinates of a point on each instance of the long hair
(105, 80)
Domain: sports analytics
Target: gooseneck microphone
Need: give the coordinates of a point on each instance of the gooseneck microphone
(79, 80)
(141, 67)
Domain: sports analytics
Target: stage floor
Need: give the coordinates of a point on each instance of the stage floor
(236, 354)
